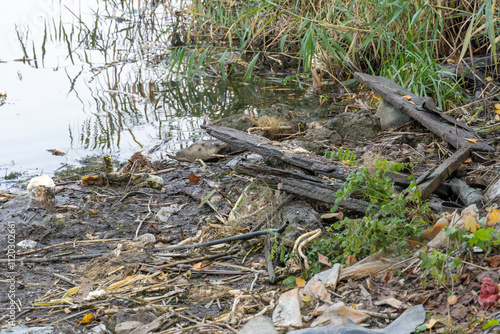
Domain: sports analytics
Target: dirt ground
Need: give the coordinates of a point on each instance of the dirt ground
(86, 241)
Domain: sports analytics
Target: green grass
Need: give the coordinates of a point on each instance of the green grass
(407, 41)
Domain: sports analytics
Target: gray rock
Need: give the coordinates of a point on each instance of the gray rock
(128, 321)
(127, 327)
(359, 126)
(300, 213)
(261, 325)
(203, 150)
(323, 134)
(238, 122)
(390, 117)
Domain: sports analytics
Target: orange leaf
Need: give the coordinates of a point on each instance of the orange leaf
(406, 97)
(87, 318)
(323, 259)
(202, 266)
(493, 217)
(470, 221)
(300, 282)
(351, 259)
(193, 178)
(471, 140)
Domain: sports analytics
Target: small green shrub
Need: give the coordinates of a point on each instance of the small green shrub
(391, 218)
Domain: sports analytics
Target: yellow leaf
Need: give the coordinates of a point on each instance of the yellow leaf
(307, 299)
(411, 102)
(471, 224)
(497, 111)
(354, 306)
(71, 291)
(497, 106)
(493, 217)
(431, 323)
(300, 282)
(65, 300)
(452, 300)
(471, 140)
(87, 318)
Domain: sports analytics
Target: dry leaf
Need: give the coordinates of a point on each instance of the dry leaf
(406, 97)
(67, 310)
(471, 140)
(494, 261)
(332, 215)
(202, 266)
(323, 259)
(471, 224)
(90, 236)
(300, 282)
(307, 299)
(193, 178)
(87, 318)
(431, 323)
(351, 259)
(493, 217)
(72, 291)
(497, 106)
(452, 300)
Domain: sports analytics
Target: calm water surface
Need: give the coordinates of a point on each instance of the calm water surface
(90, 77)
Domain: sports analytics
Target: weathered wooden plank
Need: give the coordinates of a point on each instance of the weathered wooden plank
(423, 110)
(443, 171)
(262, 146)
(301, 185)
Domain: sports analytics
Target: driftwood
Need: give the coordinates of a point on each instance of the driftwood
(262, 146)
(301, 185)
(443, 171)
(423, 110)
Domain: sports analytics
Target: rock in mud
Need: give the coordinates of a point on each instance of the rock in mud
(390, 117)
(324, 135)
(357, 127)
(203, 150)
(127, 321)
(261, 325)
(238, 122)
(301, 214)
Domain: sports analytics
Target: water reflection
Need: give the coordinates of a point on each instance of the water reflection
(94, 74)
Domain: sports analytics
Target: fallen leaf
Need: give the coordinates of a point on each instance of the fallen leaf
(300, 282)
(406, 97)
(87, 318)
(431, 323)
(351, 259)
(494, 261)
(471, 140)
(452, 300)
(497, 106)
(67, 310)
(90, 236)
(493, 217)
(323, 259)
(56, 152)
(301, 230)
(307, 299)
(202, 265)
(193, 178)
(471, 224)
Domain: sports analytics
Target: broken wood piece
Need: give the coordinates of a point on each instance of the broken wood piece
(466, 194)
(443, 171)
(423, 110)
(264, 147)
(301, 185)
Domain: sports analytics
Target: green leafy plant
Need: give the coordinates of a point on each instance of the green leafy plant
(391, 218)
(343, 155)
(439, 265)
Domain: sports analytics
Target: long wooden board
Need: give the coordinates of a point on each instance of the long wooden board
(423, 110)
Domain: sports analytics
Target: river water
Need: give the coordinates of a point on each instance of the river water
(89, 77)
